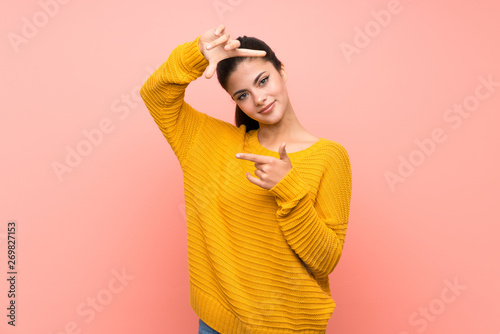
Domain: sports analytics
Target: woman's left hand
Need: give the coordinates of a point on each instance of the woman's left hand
(269, 169)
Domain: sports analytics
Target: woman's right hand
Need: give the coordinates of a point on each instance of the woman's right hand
(215, 45)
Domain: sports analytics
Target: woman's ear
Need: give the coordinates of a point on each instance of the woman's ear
(283, 73)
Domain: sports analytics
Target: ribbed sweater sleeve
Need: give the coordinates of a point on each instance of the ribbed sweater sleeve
(163, 93)
(316, 230)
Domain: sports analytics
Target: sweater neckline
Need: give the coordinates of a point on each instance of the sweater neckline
(254, 141)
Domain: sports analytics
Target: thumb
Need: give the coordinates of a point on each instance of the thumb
(209, 71)
(282, 152)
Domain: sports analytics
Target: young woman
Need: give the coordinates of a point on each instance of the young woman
(261, 246)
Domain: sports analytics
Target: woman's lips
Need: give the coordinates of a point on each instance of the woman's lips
(267, 108)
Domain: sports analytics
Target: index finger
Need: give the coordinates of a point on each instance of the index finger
(248, 53)
(253, 157)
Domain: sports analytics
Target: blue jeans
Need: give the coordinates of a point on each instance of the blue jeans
(205, 329)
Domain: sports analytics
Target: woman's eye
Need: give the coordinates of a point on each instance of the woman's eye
(264, 80)
(242, 96)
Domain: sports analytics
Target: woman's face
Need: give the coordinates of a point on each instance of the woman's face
(256, 86)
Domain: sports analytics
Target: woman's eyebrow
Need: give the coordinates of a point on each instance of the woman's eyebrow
(254, 82)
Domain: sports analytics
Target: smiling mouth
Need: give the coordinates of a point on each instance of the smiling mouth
(266, 108)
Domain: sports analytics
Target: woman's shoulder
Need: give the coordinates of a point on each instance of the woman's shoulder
(333, 150)
(321, 145)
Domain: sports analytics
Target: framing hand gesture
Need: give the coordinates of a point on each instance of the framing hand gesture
(269, 169)
(216, 45)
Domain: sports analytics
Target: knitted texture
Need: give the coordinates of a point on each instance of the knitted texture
(259, 259)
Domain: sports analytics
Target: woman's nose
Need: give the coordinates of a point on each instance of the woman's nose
(261, 99)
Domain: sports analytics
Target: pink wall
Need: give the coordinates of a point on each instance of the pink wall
(384, 78)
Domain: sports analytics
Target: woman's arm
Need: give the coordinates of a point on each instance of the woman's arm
(316, 230)
(163, 93)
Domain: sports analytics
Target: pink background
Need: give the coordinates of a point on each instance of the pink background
(120, 207)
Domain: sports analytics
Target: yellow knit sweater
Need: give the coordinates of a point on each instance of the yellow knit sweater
(259, 259)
